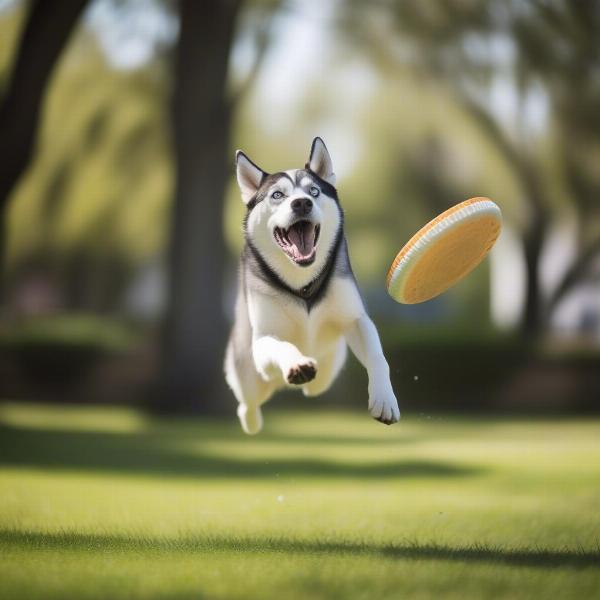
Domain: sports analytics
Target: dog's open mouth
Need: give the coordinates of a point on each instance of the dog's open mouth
(299, 241)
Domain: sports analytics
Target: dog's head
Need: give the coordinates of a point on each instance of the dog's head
(294, 217)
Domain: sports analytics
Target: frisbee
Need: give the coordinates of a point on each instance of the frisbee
(444, 251)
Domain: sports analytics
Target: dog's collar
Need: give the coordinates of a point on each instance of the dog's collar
(312, 288)
(312, 292)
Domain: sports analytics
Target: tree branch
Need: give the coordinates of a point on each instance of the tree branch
(573, 275)
(521, 165)
(46, 32)
(263, 36)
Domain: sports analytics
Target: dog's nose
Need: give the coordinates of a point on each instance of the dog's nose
(302, 206)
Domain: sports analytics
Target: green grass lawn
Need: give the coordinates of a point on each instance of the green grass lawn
(109, 503)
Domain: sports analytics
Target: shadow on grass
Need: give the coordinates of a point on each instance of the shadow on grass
(523, 557)
(160, 453)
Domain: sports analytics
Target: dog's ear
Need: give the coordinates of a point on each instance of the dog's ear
(249, 176)
(320, 161)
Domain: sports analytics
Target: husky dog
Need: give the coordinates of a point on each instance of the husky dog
(298, 304)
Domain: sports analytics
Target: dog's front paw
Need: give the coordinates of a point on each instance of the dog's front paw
(383, 406)
(302, 372)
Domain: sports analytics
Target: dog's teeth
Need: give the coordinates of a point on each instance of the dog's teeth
(281, 236)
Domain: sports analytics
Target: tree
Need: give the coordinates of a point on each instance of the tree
(203, 104)
(45, 35)
(195, 328)
(201, 120)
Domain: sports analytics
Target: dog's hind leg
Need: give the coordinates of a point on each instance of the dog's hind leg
(250, 390)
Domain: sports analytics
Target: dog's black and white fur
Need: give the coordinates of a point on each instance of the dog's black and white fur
(298, 304)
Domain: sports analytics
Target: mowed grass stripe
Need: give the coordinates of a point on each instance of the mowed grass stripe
(409, 550)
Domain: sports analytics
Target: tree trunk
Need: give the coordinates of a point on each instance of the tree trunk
(533, 240)
(531, 322)
(195, 329)
(46, 32)
(573, 276)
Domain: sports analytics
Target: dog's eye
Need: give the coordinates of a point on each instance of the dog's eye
(314, 192)
(276, 195)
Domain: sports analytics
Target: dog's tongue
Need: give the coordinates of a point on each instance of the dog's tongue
(302, 237)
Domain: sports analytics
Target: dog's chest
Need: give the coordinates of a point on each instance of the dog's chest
(317, 329)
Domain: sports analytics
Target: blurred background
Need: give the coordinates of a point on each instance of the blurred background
(121, 220)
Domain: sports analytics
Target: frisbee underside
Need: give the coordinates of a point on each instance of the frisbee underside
(444, 251)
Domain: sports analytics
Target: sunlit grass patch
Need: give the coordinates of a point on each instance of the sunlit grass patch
(107, 502)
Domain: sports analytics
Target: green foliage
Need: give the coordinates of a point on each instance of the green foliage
(101, 503)
(68, 330)
(97, 191)
(52, 353)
